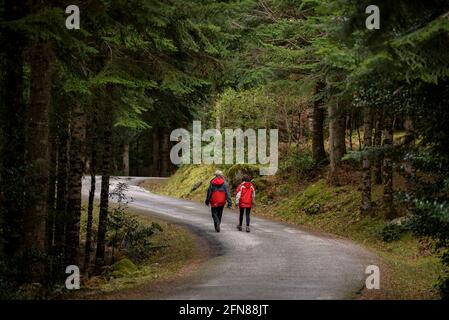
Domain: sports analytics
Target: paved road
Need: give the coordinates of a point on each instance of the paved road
(274, 261)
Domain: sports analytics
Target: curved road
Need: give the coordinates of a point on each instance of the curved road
(274, 261)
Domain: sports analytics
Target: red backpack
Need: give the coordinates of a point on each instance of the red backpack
(246, 194)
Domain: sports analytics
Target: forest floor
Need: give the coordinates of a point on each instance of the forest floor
(409, 269)
(177, 252)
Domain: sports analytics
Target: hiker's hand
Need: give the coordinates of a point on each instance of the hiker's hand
(206, 203)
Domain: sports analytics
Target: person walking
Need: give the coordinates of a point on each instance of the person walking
(217, 196)
(245, 199)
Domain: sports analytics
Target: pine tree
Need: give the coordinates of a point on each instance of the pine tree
(38, 155)
(367, 139)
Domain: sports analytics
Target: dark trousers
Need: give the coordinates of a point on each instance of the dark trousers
(248, 211)
(217, 212)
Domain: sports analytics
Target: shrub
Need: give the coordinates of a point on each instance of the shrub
(299, 163)
(432, 219)
(125, 232)
(392, 232)
(314, 209)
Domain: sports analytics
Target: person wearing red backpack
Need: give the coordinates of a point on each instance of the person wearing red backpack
(217, 196)
(246, 196)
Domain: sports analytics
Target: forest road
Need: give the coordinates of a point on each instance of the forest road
(274, 261)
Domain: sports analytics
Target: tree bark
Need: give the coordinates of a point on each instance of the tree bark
(218, 122)
(63, 136)
(14, 115)
(351, 130)
(165, 153)
(378, 143)
(409, 169)
(366, 165)
(104, 196)
(72, 230)
(38, 156)
(50, 223)
(337, 147)
(359, 138)
(90, 206)
(388, 170)
(318, 153)
(156, 153)
(126, 159)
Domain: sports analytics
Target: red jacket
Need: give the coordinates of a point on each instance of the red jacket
(246, 195)
(217, 194)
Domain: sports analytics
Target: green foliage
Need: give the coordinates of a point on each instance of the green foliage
(432, 219)
(392, 232)
(130, 236)
(423, 51)
(301, 164)
(125, 232)
(246, 109)
(404, 68)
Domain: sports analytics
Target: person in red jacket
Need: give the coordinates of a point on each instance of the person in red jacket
(217, 196)
(246, 196)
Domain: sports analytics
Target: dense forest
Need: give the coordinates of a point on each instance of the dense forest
(102, 100)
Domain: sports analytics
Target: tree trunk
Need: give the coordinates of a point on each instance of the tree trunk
(378, 143)
(388, 170)
(359, 137)
(217, 122)
(72, 231)
(298, 131)
(348, 129)
(341, 135)
(51, 202)
(14, 115)
(38, 156)
(90, 206)
(366, 165)
(126, 159)
(318, 153)
(409, 169)
(104, 196)
(63, 136)
(303, 125)
(156, 153)
(337, 146)
(165, 153)
(351, 130)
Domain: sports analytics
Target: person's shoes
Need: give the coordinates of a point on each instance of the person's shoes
(247, 229)
(217, 227)
(239, 228)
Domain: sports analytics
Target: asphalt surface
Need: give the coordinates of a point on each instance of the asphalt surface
(274, 261)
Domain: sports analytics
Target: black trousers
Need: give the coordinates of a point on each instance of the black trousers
(248, 211)
(217, 213)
